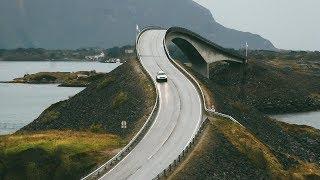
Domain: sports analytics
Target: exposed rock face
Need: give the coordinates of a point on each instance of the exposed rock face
(106, 23)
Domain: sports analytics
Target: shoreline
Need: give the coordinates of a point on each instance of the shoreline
(301, 118)
(62, 79)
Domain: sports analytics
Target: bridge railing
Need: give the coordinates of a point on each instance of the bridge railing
(127, 149)
(205, 40)
(137, 138)
(208, 111)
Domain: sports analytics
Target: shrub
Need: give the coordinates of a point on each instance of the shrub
(54, 154)
(315, 97)
(119, 99)
(97, 128)
(105, 82)
(51, 116)
(45, 77)
(241, 107)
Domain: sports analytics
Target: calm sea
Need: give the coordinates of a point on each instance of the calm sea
(307, 118)
(22, 103)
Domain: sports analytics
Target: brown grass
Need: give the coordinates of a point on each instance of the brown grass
(198, 164)
(55, 154)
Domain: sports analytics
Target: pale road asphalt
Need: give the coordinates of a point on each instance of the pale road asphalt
(179, 116)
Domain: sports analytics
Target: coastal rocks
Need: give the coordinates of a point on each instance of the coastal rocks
(64, 79)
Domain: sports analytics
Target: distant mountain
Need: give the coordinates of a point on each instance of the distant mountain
(74, 24)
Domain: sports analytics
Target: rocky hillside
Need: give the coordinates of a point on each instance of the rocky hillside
(265, 148)
(270, 86)
(125, 94)
(73, 137)
(229, 151)
(106, 23)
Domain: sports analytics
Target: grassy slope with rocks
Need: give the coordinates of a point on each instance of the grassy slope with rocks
(265, 89)
(72, 137)
(230, 151)
(269, 88)
(125, 94)
(54, 154)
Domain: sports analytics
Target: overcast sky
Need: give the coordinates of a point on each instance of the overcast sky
(288, 24)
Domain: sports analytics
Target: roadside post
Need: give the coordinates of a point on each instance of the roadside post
(123, 124)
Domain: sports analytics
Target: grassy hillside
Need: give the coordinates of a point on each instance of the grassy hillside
(269, 147)
(229, 151)
(267, 86)
(72, 137)
(125, 94)
(54, 154)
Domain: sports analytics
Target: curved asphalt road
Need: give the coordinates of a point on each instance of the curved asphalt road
(179, 116)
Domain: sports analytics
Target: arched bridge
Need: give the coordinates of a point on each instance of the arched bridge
(179, 112)
(201, 52)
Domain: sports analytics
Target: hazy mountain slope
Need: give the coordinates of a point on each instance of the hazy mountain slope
(106, 23)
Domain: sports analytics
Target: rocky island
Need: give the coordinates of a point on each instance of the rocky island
(64, 79)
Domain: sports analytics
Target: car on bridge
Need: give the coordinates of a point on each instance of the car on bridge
(161, 77)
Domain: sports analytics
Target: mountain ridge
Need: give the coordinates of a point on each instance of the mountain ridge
(106, 23)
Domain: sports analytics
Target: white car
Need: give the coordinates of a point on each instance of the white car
(161, 77)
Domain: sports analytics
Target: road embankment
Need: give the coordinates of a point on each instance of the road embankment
(270, 148)
(125, 94)
(73, 137)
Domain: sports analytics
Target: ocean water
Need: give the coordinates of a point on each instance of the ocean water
(20, 104)
(11, 70)
(307, 118)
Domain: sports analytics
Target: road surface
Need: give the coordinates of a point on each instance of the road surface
(179, 116)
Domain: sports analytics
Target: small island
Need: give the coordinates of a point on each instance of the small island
(64, 79)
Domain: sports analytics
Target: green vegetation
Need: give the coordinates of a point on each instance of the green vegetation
(289, 62)
(268, 87)
(39, 54)
(119, 99)
(285, 55)
(66, 79)
(97, 128)
(105, 82)
(50, 116)
(266, 148)
(72, 137)
(54, 154)
(125, 94)
(228, 150)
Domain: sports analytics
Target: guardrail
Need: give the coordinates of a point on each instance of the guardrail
(210, 43)
(184, 153)
(136, 139)
(127, 149)
(210, 112)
